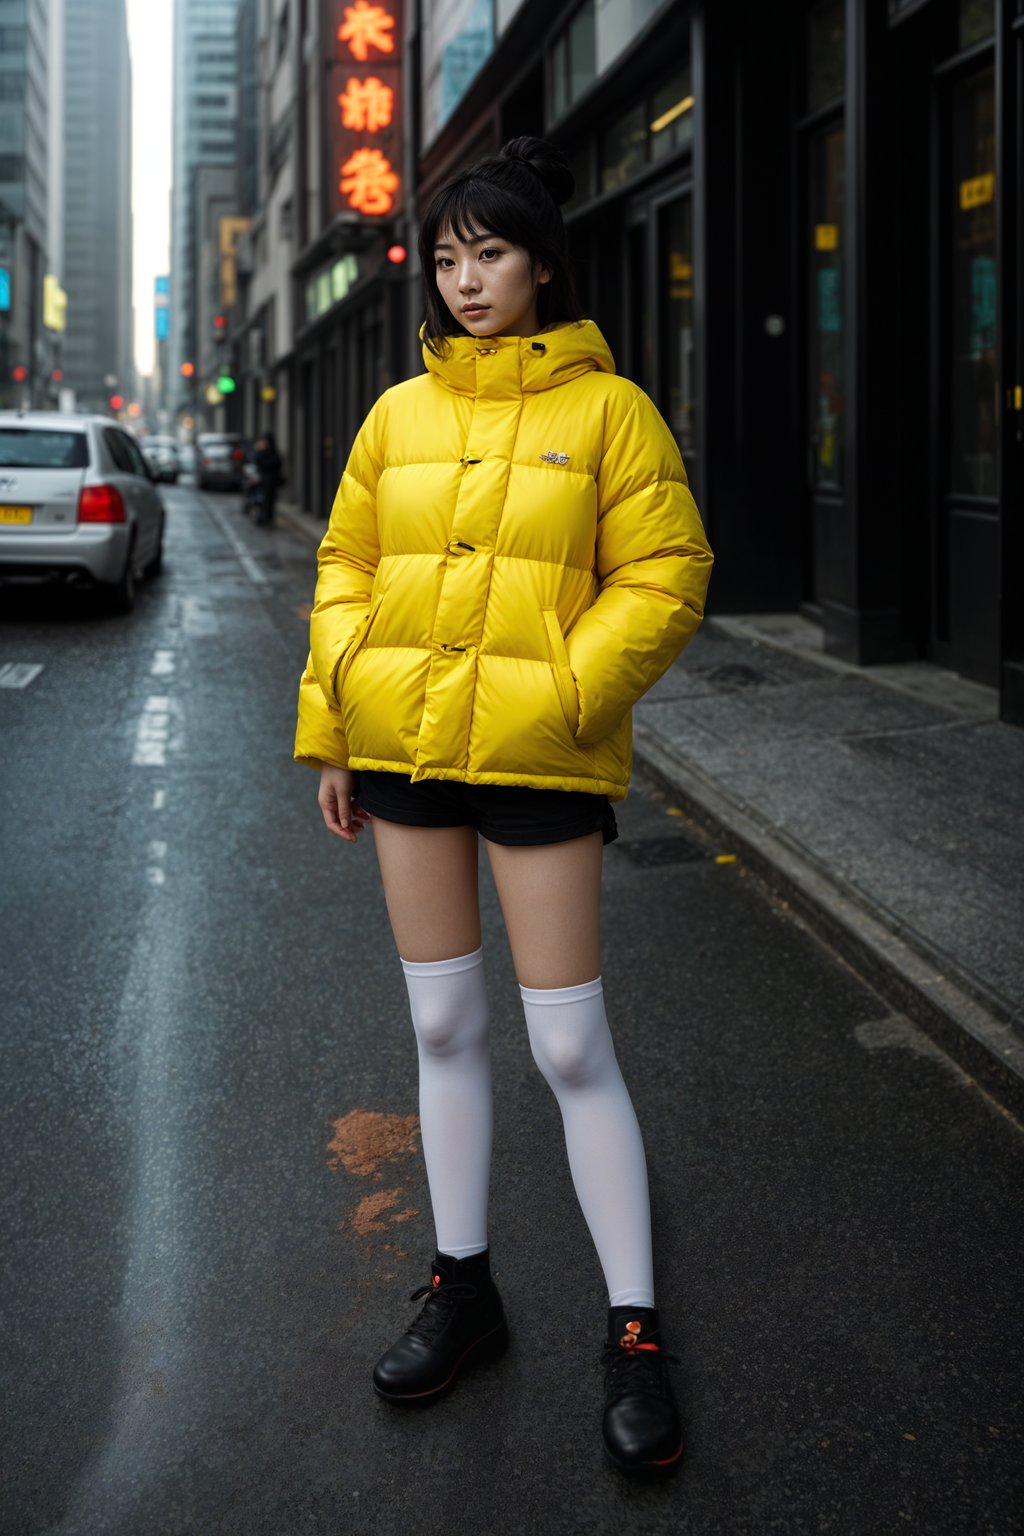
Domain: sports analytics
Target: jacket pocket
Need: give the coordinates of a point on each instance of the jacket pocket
(357, 644)
(565, 683)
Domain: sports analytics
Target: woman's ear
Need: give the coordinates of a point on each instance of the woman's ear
(544, 274)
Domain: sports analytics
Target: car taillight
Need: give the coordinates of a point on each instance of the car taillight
(238, 455)
(100, 504)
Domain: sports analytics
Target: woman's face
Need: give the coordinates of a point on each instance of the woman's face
(489, 285)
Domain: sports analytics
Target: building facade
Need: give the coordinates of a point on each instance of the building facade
(26, 354)
(97, 226)
(204, 132)
(799, 227)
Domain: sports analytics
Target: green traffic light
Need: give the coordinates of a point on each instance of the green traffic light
(226, 384)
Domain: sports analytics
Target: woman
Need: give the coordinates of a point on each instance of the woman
(513, 558)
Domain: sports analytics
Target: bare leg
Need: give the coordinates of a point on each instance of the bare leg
(430, 883)
(550, 897)
(551, 900)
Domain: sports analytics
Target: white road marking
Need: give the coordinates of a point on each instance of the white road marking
(155, 874)
(152, 733)
(18, 674)
(159, 799)
(163, 664)
(245, 560)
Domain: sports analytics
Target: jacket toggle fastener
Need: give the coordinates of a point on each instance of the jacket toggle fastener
(469, 458)
(456, 547)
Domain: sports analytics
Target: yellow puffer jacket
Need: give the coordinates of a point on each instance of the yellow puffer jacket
(513, 558)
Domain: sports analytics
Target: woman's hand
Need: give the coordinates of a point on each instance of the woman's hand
(341, 814)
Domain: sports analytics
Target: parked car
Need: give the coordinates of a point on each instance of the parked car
(220, 457)
(162, 456)
(77, 502)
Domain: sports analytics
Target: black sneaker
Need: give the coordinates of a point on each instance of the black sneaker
(462, 1323)
(641, 1425)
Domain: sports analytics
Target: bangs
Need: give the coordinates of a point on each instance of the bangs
(472, 208)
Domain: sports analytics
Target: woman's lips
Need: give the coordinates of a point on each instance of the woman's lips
(475, 309)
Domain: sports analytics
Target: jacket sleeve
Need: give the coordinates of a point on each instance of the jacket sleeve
(347, 562)
(653, 567)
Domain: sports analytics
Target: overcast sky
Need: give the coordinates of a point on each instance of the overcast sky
(150, 41)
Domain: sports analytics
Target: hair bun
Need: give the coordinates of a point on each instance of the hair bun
(547, 162)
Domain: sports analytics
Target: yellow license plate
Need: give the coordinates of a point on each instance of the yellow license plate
(15, 514)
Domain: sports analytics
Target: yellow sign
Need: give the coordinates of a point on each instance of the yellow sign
(212, 395)
(231, 230)
(268, 393)
(976, 191)
(826, 237)
(55, 304)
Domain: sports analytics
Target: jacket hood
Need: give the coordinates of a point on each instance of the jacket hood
(539, 362)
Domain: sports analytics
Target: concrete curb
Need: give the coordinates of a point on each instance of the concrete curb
(970, 1028)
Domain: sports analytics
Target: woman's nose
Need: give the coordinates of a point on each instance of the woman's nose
(467, 280)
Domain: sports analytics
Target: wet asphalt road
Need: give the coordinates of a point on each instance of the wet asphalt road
(198, 984)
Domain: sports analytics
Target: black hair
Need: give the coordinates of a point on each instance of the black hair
(514, 194)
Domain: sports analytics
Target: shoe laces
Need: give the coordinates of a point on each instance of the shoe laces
(636, 1365)
(442, 1296)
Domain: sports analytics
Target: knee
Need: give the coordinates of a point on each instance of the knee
(567, 1058)
(443, 1031)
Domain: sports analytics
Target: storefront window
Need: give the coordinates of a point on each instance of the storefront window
(671, 122)
(826, 54)
(678, 384)
(976, 20)
(973, 438)
(624, 148)
(827, 383)
(648, 133)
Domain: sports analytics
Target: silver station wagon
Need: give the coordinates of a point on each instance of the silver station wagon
(78, 502)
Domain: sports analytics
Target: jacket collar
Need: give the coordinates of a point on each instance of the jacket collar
(509, 365)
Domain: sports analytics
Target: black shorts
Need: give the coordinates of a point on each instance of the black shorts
(501, 813)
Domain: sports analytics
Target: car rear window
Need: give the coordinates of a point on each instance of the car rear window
(215, 440)
(39, 448)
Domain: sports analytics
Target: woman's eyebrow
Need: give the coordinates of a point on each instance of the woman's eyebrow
(446, 245)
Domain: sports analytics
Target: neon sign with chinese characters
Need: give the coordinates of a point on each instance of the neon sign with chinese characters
(364, 94)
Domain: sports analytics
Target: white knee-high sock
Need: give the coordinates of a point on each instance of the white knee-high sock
(448, 1000)
(572, 1046)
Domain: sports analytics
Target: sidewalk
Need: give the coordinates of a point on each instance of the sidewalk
(885, 805)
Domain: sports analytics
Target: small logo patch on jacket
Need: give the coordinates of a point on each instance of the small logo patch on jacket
(551, 457)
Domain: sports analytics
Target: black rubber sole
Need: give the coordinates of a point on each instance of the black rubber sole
(481, 1352)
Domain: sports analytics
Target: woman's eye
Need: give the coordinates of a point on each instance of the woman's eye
(489, 251)
(443, 263)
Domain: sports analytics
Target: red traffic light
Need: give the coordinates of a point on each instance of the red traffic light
(116, 402)
(19, 374)
(187, 370)
(57, 375)
(220, 322)
(396, 254)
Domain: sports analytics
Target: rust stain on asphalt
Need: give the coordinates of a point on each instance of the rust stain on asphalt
(364, 1139)
(362, 1142)
(367, 1214)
